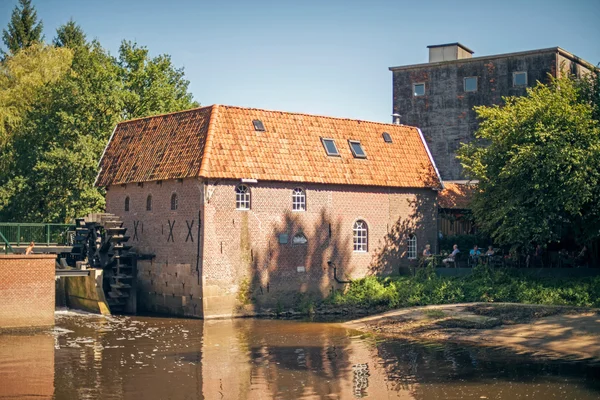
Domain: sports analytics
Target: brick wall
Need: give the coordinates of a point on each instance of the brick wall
(27, 291)
(168, 283)
(242, 250)
(243, 267)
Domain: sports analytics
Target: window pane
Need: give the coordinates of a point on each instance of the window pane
(242, 198)
(471, 84)
(357, 150)
(298, 200)
(419, 89)
(330, 147)
(360, 236)
(520, 79)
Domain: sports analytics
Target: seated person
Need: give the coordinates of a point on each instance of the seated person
(581, 259)
(427, 251)
(474, 254)
(29, 248)
(490, 251)
(452, 255)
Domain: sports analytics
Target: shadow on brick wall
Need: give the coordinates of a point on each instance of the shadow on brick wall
(292, 272)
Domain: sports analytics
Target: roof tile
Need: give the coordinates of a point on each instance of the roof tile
(220, 142)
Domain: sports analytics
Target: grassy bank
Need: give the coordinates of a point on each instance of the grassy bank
(484, 285)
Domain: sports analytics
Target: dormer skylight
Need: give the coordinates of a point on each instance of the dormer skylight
(330, 147)
(258, 125)
(357, 149)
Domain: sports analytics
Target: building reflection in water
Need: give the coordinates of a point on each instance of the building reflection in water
(160, 358)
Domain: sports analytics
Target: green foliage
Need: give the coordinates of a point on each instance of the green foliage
(152, 85)
(484, 285)
(539, 170)
(58, 107)
(24, 29)
(70, 35)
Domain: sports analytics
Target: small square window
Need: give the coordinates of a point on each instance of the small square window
(357, 149)
(258, 125)
(519, 79)
(330, 147)
(283, 238)
(418, 89)
(470, 84)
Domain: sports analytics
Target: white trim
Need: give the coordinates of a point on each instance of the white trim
(431, 158)
(514, 74)
(465, 84)
(103, 152)
(424, 89)
(248, 180)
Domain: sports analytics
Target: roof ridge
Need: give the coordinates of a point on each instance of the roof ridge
(316, 115)
(208, 141)
(164, 114)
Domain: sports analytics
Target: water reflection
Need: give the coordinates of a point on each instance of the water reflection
(158, 358)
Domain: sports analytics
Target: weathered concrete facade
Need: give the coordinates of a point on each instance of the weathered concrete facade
(445, 111)
(235, 264)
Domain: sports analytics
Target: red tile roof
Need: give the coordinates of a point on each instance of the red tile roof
(456, 195)
(221, 142)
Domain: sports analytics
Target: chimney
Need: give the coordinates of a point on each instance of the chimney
(396, 118)
(448, 52)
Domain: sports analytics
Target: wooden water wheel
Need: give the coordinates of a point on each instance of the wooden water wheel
(101, 243)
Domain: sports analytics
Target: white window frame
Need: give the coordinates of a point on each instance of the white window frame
(174, 204)
(149, 203)
(298, 199)
(360, 236)
(242, 197)
(412, 247)
(515, 75)
(465, 84)
(415, 92)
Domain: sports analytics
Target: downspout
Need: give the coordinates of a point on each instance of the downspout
(332, 265)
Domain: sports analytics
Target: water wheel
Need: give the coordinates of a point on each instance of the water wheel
(101, 243)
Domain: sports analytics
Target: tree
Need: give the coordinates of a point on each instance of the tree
(70, 35)
(62, 135)
(539, 169)
(23, 28)
(152, 85)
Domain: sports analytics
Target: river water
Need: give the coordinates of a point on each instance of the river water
(94, 357)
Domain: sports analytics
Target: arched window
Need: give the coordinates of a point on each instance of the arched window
(298, 200)
(127, 203)
(242, 197)
(149, 203)
(360, 236)
(299, 238)
(174, 201)
(412, 247)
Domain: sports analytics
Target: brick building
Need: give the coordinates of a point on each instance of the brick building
(439, 96)
(243, 208)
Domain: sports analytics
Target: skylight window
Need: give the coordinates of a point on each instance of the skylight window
(386, 137)
(258, 125)
(330, 147)
(357, 149)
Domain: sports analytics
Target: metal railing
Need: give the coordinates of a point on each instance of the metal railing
(17, 234)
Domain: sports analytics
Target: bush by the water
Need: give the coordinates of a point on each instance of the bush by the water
(483, 285)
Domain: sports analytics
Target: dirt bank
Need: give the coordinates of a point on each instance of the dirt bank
(550, 331)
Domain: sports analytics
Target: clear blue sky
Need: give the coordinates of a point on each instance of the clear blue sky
(321, 57)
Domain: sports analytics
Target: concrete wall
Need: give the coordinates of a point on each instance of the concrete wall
(168, 283)
(445, 113)
(246, 268)
(26, 291)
